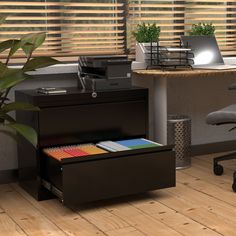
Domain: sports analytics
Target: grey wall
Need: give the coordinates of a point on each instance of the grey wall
(195, 97)
(8, 153)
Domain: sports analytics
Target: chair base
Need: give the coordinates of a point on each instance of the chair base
(234, 182)
(218, 169)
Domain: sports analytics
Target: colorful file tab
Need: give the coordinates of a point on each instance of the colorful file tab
(60, 153)
(73, 151)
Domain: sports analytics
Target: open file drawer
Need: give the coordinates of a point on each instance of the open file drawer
(77, 118)
(82, 179)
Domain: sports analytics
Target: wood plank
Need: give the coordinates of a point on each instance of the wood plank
(140, 220)
(231, 164)
(128, 231)
(197, 199)
(195, 212)
(209, 189)
(25, 215)
(8, 227)
(88, 221)
(174, 219)
(203, 170)
(104, 220)
(68, 221)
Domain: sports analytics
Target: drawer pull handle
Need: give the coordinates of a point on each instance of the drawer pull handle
(94, 94)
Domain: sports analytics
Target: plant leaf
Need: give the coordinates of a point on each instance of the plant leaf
(13, 44)
(6, 45)
(11, 77)
(3, 18)
(17, 44)
(6, 117)
(2, 68)
(32, 41)
(14, 106)
(26, 131)
(39, 62)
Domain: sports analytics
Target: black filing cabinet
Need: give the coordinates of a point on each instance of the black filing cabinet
(77, 117)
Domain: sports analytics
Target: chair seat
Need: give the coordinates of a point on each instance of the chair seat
(226, 115)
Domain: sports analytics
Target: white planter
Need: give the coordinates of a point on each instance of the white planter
(142, 54)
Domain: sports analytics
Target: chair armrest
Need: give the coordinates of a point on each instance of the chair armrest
(232, 87)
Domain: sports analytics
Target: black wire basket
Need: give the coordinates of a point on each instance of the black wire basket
(168, 57)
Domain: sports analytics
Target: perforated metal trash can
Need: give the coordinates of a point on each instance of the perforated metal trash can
(179, 135)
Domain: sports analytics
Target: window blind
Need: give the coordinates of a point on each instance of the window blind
(73, 27)
(169, 15)
(81, 27)
(223, 16)
(176, 18)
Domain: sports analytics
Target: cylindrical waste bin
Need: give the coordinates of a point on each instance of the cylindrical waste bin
(179, 135)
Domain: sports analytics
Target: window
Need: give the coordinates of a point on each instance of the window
(169, 15)
(176, 18)
(73, 27)
(81, 27)
(222, 14)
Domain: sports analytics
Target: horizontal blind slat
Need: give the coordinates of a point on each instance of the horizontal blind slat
(76, 26)
(71, 26)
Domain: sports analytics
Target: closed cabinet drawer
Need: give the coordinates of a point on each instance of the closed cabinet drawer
(79, 180)
(83, 123)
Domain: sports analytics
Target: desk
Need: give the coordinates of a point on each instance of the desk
(191, 92)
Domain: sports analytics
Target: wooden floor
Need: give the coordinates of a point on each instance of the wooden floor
(201, 204)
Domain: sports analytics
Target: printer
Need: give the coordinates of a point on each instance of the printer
(104, 72)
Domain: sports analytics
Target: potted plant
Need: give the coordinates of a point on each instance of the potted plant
(10, 77)
(202, 29)
(145, 35)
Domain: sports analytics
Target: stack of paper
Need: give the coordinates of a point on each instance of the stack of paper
(122, 145)
(73, 151)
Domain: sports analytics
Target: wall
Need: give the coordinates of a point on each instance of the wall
(8, 152)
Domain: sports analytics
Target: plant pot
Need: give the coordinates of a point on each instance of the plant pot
(143, 53)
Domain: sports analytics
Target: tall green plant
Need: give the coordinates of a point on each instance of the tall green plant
(10, 77)
(146, 33)
(202, 29)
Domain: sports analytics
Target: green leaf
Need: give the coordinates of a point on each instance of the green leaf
(26, 131)
(6, 117)
(17, 44)
(12, 77)
(3, 18)
(13, 44)
(3, 67)
(19, 106)
(39, 62)
(6, 45)
(202, 29)
(146, 33)
(32, 41)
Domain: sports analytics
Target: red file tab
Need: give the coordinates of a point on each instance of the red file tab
(76, 152)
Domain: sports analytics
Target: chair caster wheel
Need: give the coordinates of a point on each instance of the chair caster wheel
(218, 169)
(234, 182)
(234, 185)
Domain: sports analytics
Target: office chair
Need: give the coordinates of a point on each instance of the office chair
(226, 115)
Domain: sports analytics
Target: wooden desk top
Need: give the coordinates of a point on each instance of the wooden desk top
(186, 73)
